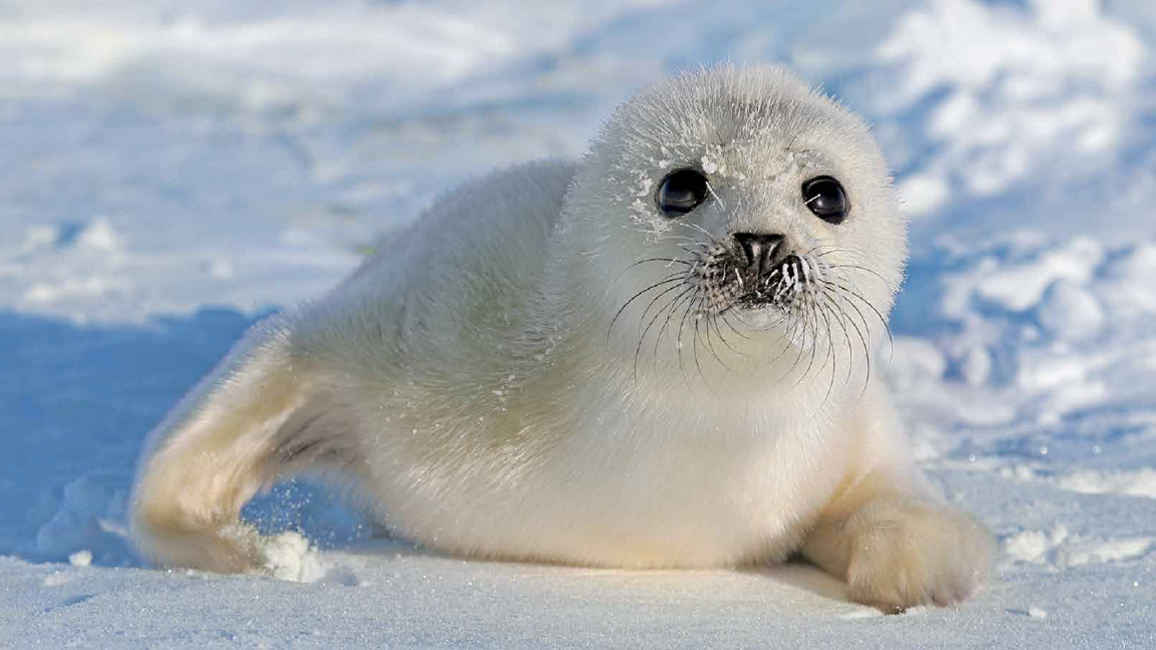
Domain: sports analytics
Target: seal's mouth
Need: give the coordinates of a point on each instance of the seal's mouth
(780, 286)
(727, 286)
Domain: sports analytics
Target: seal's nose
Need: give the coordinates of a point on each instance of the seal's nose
(759, 249)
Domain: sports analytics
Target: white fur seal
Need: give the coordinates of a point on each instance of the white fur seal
(658, 357)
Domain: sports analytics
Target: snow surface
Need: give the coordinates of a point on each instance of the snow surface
(172, 171)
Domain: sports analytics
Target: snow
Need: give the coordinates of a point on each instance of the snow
(172, 172)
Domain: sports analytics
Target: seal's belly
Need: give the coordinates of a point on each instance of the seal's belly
(683, 503)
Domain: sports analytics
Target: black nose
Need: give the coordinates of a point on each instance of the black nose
(759, 249)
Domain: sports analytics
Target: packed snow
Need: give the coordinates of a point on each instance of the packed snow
(174, 171)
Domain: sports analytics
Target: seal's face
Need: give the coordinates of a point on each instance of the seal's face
(743, 203)
(757, 269)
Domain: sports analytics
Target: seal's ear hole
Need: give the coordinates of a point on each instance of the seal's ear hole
(681, 191)
(826, 199)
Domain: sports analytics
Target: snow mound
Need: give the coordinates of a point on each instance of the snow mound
(1050, 331)
(88, 524)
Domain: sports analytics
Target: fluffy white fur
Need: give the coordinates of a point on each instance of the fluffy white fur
(467, 385)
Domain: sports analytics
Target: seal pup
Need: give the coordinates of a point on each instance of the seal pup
(657, 357)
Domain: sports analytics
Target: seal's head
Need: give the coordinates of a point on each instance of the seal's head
(737, 200)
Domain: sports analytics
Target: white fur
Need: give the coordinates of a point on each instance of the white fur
(466, 384)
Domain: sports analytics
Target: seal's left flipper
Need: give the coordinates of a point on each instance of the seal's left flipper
(261, 416)
(902, 551)
(889, 537)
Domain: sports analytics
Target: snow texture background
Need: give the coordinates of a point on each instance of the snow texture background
(171, 171)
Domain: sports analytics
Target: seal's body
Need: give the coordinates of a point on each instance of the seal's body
(659, 357)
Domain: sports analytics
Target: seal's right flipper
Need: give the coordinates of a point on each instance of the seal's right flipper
(256, 419)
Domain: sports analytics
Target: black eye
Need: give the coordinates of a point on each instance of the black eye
(680, 192)
(824, 196)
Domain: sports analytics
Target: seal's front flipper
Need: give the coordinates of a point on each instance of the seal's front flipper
(886, 532)
(899, 551)
(256, 419)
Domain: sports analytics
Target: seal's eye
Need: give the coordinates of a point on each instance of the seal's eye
(824, 196)
(680, 192)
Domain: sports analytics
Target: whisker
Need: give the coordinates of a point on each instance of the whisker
(657, 314)
(694, 339)
(643, 332)
(710, 344)
(862, 340)
(669, 237)
(697, 254)
(642, 318)
(714, 321)
(788, 341)
(883, 321)
(678, 344)
(838, 311)
(699, 228)
(668, 260)
(670, 311)
(798, 346)
(675, 277)
(865, 270)
(726, 321)
(827, 250)
(831, 356)
(813, 323)
(710, 188)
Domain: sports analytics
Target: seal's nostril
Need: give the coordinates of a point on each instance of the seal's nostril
(759, 249)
